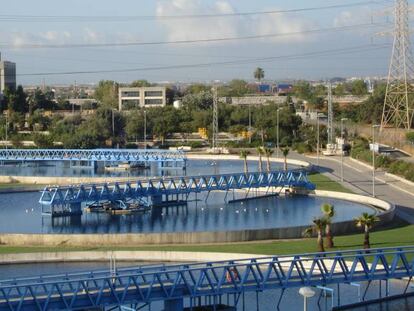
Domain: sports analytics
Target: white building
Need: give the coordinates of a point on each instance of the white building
(7, 75)
(140, 97)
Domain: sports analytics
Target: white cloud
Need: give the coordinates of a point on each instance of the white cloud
(207, 28)
(346, 18)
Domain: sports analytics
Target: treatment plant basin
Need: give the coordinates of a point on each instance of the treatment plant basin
(199, 221)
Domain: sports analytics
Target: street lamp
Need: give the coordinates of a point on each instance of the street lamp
(250, 125)
(373, 158)
(306, 292)
(318, 115)
(342, 148)
(277, 139)
(145, 129)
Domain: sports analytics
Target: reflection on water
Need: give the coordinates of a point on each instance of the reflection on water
(64, 169)
(20, 213)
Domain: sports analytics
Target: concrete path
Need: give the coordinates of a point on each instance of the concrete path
(358, 178)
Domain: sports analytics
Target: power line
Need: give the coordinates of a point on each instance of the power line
(224, 39)
(355, 49)
(94, 18)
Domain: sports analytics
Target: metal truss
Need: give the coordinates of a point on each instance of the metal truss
(144, 189)
(146, 284)
(110, 155)
(398, 105)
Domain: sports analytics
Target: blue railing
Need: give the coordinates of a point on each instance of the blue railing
(172, 186)
(110, 155)
(147, 284)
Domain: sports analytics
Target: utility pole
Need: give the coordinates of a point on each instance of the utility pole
(250, 124)
(330, 116)
(215, 119)
(76, 96)
(145, 129)
(398, 104)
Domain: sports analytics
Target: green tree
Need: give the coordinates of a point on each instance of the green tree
(107, 93)
(43, 141)
(328, 211)
(260, 152)
(366, 221)
(339, 90)
(259, 74)
(140, 83)
(268, 152)
(319, 226)
(285, 152)
(134, 127)
(243, 155)
(358, 88)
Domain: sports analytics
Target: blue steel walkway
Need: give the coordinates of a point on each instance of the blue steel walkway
(151, 192)
(176, 283)
(109, 155)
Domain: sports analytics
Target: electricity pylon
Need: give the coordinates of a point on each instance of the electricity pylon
(398, 104)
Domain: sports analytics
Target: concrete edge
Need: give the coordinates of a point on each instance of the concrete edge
(399, 178)
(102, 256)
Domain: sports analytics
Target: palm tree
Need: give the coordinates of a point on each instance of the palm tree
(328, 211)
(285, 152)
(268, 152)
(367, 222)
(319, 226)
(260, 152)
(259, 74)
(243, 155)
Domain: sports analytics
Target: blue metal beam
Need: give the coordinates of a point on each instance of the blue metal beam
(110, 155)
(146, 284)
(144, 189)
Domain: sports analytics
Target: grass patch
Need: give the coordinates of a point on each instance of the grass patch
(388, 237)
(323, 182)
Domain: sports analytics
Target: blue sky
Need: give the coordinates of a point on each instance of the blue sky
(294, 53)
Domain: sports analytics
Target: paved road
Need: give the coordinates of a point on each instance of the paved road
(358, 178)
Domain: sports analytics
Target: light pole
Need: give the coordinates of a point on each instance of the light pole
(7, 129)
(277, 138)
(306, 292)
(373, 158)
(342, 148)
(145, 129)
(318, 115)
(250, 125)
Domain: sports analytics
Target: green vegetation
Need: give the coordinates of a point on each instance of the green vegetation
(391, 237)
(323, 182)
(361, 152)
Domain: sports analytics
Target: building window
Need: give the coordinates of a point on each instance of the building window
(153, 93)
(130, 104)
(153, 102)
(130, 94)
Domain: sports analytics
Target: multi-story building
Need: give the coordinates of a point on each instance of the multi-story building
(140, 97)
(7, 75)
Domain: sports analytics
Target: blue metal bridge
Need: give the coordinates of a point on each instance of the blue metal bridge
(173, 158)
(179, 285)
(66, 200)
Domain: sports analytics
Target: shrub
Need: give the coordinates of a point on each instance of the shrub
(303, 148)
(410, 137)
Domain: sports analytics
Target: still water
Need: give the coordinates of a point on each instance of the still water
(21, 213)
(64, 169)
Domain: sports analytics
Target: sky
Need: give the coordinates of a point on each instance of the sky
(60, 42)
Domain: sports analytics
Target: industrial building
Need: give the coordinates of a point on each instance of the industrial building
(140, 97)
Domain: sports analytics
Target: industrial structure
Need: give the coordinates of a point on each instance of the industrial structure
(398, 109)
(67, 200)
(212, 283)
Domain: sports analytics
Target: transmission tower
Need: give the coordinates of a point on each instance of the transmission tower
(215, 119)
(330, 116)
(398, 104)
